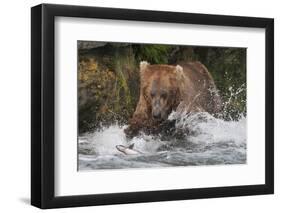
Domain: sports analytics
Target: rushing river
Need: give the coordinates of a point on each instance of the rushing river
(210, 141)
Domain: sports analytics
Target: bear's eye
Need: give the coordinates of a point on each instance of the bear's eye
(152, 94)
(164, 94)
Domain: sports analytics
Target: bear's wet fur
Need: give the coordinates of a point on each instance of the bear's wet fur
(183, 88)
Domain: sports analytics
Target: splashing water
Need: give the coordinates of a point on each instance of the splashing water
(210, 141)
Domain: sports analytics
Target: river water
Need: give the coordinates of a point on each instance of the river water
(209, 141)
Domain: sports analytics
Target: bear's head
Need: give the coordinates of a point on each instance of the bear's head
(160, 87)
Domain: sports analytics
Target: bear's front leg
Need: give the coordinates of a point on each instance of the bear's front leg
(137, 125)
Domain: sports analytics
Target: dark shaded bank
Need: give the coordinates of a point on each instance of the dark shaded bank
(108, 77)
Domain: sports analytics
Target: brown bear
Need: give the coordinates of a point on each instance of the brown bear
(184, 88)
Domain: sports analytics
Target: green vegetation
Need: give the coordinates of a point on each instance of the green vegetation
(154, 53)
(108, 77)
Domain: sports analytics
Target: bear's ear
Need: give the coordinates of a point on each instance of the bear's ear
(179, 69)
(179, 72)
(143, 65)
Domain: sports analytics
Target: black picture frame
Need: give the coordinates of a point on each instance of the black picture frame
(43, 102)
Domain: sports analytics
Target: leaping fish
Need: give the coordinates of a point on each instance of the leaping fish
(128, 150)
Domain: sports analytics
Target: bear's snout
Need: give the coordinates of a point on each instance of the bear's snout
(156, 115)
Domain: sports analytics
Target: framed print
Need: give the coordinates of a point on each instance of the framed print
(139, 106)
